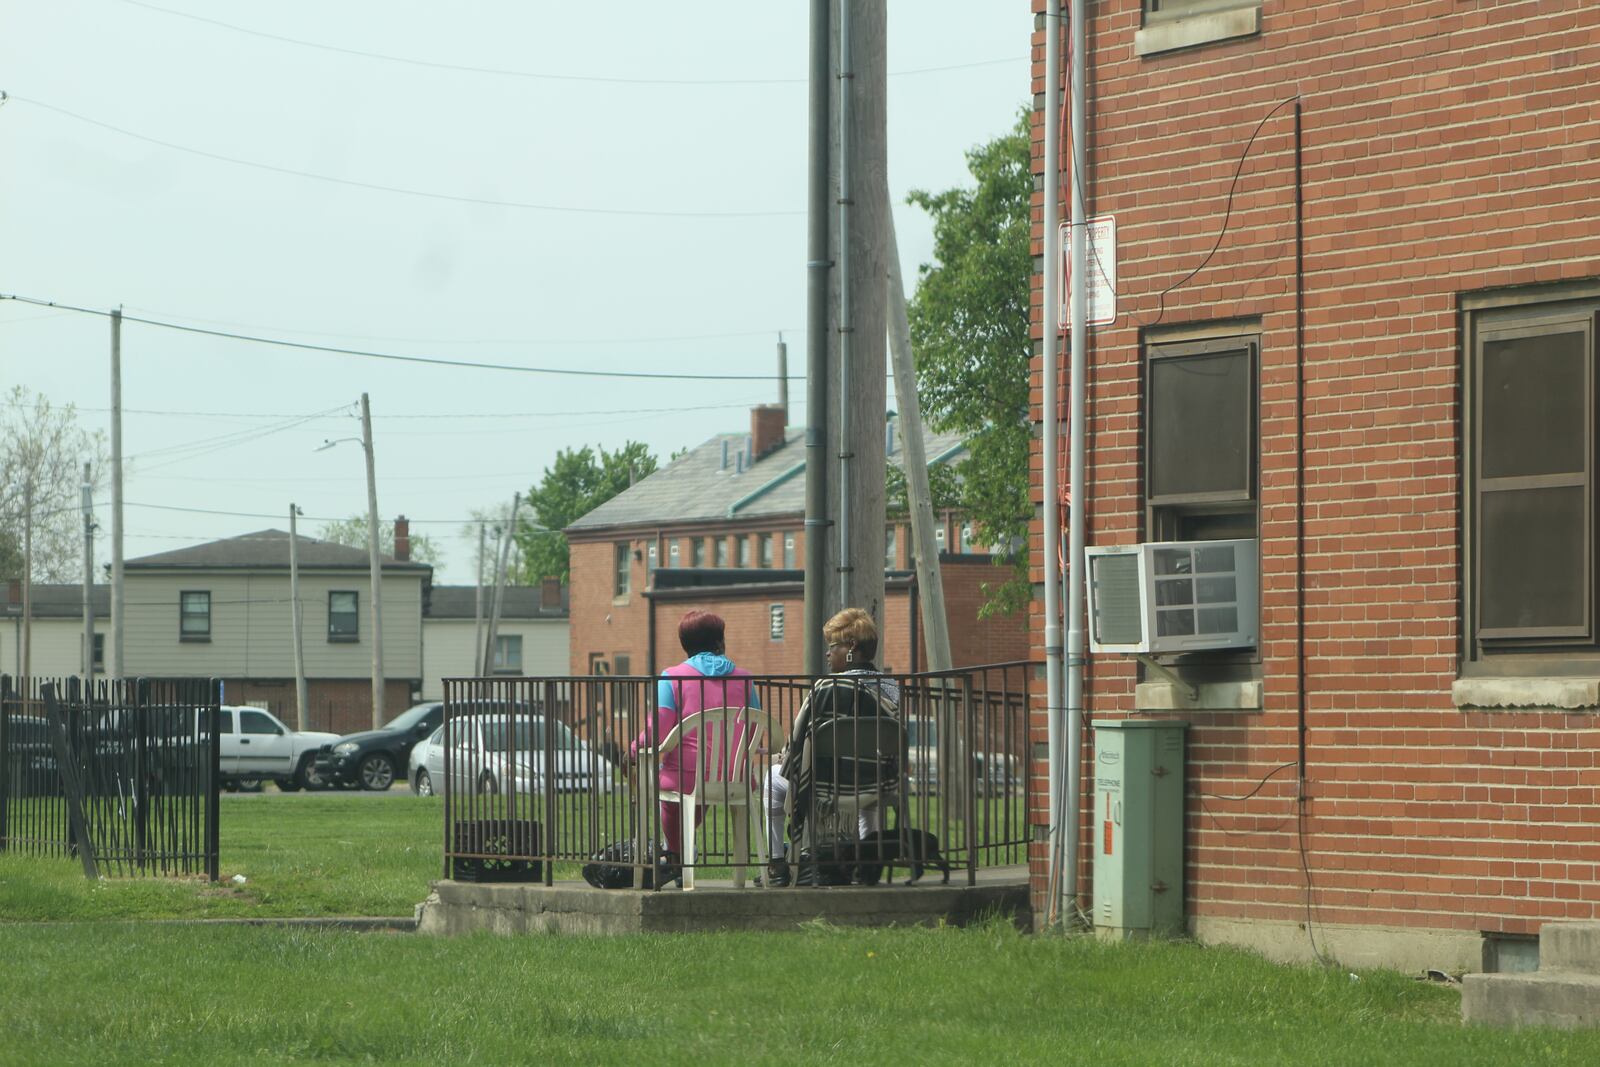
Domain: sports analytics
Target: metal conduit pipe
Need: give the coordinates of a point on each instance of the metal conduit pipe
(1049, 419)
(846, 310)
(1077, 411)
(817, 265)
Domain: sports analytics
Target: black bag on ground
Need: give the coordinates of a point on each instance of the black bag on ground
(835, 861)
(612, 868)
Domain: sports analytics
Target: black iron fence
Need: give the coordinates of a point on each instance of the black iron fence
(121, 775)
(855, 777)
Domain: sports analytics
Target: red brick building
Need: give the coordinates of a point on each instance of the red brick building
(721, 529)
(1407, 424)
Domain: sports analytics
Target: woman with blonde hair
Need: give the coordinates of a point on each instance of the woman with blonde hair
(854, 688)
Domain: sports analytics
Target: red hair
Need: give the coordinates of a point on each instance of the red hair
(700, 631)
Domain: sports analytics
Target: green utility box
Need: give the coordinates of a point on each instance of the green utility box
(1138, 828)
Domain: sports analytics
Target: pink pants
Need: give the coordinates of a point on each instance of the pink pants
(672, 823)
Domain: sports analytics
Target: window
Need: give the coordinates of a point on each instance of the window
(650, 557)
(621, 571)
(507, 653)
(344, 621)
(1200, 440)
(697, 552)
(775, 621)
(622, 664)
(99, 663)
(1174, 24)
(258, 722)
(891, 547)
(1530, 458)
(224, 722)
(938, 537)
(788, 551)
(764, 550)
(720, 556)
(744, 550)
(1163, 10)
(672, 553)
(194, 616)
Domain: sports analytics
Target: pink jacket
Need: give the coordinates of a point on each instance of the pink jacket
(691, 691)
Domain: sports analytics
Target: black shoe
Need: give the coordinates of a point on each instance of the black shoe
(778, 874)
(808, 876)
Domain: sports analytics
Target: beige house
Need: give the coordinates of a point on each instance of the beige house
(222, 610)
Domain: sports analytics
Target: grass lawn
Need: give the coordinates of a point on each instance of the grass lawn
(125, 994)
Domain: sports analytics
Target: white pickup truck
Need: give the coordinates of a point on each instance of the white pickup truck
(256, 746)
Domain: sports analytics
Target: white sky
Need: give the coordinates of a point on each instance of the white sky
(91, 217)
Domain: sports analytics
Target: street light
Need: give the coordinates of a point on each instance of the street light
(373, 558)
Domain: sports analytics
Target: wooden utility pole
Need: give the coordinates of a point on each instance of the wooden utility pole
(508, 531)
(477, 610)
(27, 584)
(856, 313)
(375, 560)
(116, 665)
(925, 550)
(295, 622)
(88, 576)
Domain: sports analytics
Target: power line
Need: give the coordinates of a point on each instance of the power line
(399, 189)
(536, 75)
(399, 358)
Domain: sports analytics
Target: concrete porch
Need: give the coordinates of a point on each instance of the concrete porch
(1564, 991)
(578, 908)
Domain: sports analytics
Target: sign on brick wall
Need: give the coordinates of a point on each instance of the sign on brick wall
(1101, 297)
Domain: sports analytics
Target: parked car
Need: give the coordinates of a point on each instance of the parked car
(491, 753)
(372, 759)
(255, 745)
(993, 772)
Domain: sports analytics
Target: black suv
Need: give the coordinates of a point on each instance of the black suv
(373, 759)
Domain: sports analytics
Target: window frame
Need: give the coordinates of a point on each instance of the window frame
(697, 551)
(621, 569)
(788, 550)
(764, 550)
(741, 552)
(185, 614)
(1521, 313)
(1152, 15)
(719, 551)
(499, 663)
(353, 636)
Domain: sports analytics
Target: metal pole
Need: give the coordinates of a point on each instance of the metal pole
(847, 120)
(500, 585)
(930, 579)
(1050, 418)
(783, 378)
(477, 609)
(27, 582)
(301, 701)
(88, 576)
(817, 264)
(376, 565)
(116, 665)
(1078, 401)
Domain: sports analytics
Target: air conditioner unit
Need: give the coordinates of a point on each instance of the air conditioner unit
(1173, 596)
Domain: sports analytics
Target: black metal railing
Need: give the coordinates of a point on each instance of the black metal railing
(855, 777)
(120, 774)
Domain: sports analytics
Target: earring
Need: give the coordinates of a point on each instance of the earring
(850, 656)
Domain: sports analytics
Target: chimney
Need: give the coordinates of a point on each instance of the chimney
(724, 455)
(550, 594)
(14, 596)
(767, 425)
(402, 540)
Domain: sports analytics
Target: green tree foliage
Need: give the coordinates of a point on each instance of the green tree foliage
(579, 481)
(969, 330)
(353, 532)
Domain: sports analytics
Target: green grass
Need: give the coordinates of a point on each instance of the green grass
(112, 995)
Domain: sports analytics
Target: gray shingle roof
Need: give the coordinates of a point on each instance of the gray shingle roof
(58, 601)
(264, 549)
(521, 602)
(696, 487)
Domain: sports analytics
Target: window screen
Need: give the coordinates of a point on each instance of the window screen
(1200, 425)
(344, 622)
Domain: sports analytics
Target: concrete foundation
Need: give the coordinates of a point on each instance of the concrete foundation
(577, 908)
(1410, 950)
(1563, 992)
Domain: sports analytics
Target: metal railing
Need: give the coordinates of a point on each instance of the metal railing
(888, 773)
(121, 775)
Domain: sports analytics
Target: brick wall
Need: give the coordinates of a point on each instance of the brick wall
(1448, 147)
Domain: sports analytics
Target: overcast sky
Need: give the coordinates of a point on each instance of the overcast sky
(93, 217)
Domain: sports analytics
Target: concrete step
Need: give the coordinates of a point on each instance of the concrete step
(1570, 947)
(1564, 999)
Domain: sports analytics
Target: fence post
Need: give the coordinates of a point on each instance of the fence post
(5, 760)
(547, 834)
(71, 784)
(970, 779)
(132, 698)
(213, 781)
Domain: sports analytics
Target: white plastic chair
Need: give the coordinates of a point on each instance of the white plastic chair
(722, 778)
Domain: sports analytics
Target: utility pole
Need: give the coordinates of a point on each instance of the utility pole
(783, 379)
(300, 689)
(819, 146)
(500, 584)
(477, 610)
(27, 584)
(856, 438)
(930, 578)
(375, 559)
(88, 576)
(115, 667)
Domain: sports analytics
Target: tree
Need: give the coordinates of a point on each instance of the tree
(353, 532)
(579, 481)
(42, 453)
(969, 332)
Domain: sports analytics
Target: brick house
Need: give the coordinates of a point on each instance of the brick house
(721, 528)
(1411, 440)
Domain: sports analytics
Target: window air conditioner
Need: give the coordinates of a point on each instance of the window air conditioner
(1173, 596)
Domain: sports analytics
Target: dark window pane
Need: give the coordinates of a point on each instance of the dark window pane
(1177, 622)
(1174, 591)
(1215, 590)
(1533, 406)
(1199, 424)
(1218, 620)
(1534, 543)
(1173, 560)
